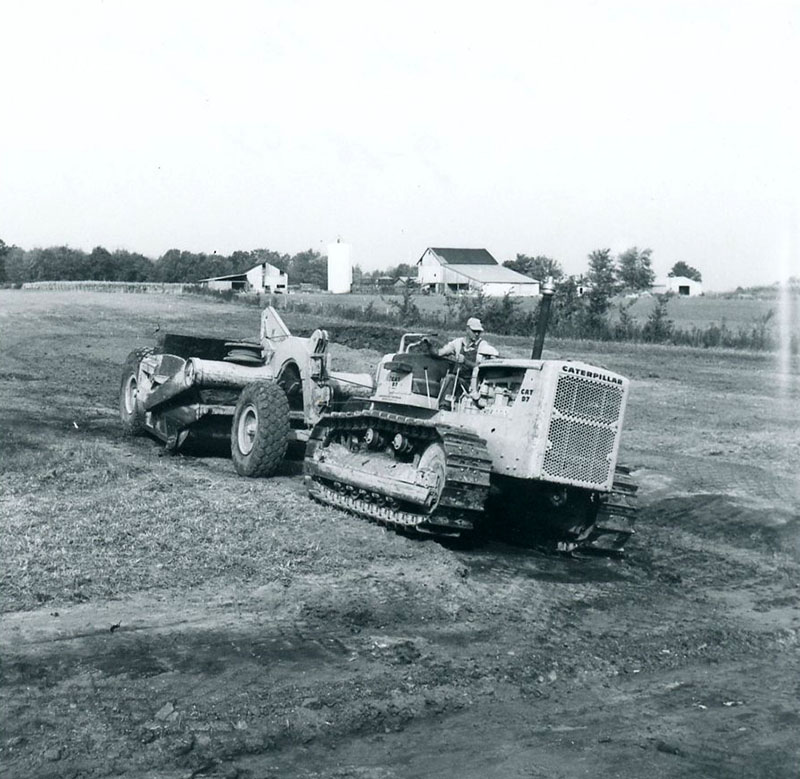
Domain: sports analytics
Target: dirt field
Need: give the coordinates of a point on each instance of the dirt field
(163, 618)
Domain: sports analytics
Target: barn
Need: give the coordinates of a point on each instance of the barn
(678, 285)
(471, 270)
(260, 278)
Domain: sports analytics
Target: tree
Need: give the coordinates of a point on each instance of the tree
(246, 260)
(59, 263)
(17, 266)
(658, 327)
(101, 265)
(636, 269)
(175, 266)
(602, 277)
(500, 314)
(4, 250)
(626, 328)
(680, 268)
(472, 305)
(539, 267)
(406, 309)
(130, 266)
(403, 269)
(309, 267)
(567, 307)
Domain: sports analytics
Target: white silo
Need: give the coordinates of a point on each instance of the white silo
(340, 267)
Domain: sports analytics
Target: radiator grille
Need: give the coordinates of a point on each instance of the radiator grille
(588, 400)
(583, 430)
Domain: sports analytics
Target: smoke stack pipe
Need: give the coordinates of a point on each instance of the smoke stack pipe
(548, 290)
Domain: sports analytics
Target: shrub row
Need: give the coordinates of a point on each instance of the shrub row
(502, 317)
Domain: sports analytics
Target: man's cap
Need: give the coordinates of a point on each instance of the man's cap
(473, 323)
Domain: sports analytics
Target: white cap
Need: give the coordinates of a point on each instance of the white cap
(473, 323)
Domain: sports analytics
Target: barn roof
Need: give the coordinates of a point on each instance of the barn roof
(464, 256)
(231, 277)
(243, 274)
(487, 274)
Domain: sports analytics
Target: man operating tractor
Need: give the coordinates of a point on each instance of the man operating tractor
(470, 348)
(469, 351)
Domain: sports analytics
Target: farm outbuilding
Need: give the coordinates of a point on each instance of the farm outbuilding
(260, 278)
(471, 270)
(678, 285)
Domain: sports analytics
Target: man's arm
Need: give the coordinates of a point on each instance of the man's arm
(451, 348)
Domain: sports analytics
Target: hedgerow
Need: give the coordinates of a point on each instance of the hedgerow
(571, 318)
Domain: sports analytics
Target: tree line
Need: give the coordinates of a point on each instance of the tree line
(632, 269)
(63, 263)
(582, 305)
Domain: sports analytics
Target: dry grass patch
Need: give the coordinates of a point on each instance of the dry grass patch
(108, 518)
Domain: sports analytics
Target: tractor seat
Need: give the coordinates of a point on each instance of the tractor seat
(427, 371)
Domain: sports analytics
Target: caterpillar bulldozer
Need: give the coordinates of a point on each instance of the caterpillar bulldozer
(430, 445)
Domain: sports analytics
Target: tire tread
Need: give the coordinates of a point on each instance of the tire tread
(272, 436)
(132, 424)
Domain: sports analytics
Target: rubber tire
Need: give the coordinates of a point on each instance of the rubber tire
(131, 411)
(264, 408)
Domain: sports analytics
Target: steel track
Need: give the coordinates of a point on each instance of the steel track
(466, 488)
(468, 468)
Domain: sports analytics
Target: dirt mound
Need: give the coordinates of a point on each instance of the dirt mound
(724, 519)
(380, 338)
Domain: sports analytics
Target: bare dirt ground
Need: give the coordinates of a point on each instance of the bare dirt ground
(162, 617)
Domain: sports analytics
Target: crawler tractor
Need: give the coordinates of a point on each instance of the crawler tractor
(433, 446)
(532, 442)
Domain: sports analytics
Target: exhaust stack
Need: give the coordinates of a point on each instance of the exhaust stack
(548, 290)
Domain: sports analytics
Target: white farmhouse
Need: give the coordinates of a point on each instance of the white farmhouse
(471, 270)
(260, 278)
(678, 285)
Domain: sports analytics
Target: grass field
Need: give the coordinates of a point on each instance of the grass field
(700, 312)
(686, 313)
(162, 617)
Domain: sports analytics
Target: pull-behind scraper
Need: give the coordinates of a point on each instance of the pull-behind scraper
(260, 396)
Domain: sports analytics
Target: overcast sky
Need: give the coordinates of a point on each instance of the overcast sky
(534, 127)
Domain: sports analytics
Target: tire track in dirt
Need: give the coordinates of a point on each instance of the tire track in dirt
(194, 676)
